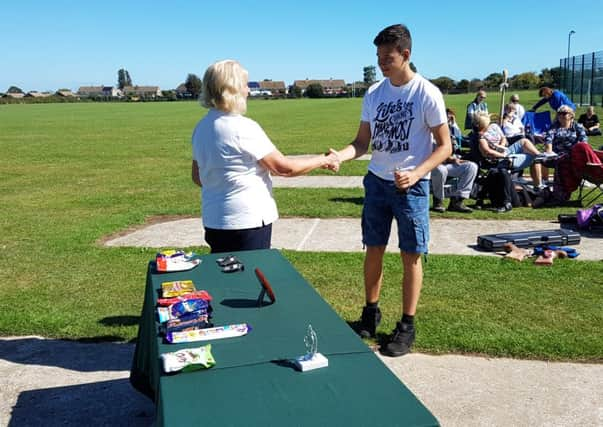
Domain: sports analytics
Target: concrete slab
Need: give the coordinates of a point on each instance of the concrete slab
(56, 383)
(448, 236)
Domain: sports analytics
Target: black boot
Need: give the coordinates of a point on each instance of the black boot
(438, 206)
(457, 205)
(367, 326)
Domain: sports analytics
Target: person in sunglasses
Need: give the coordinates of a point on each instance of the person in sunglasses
(568, 140)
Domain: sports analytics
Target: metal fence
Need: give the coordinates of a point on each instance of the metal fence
(582, 78)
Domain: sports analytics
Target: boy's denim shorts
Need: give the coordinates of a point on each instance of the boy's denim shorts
(383, 202)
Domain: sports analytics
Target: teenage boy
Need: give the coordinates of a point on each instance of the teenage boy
(401, 115)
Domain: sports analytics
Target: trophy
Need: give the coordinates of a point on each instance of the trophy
(312, 359)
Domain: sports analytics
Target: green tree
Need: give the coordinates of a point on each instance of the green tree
(123, 78)
(14, 89)
(443, 83)
(527, 80)
(551, 77)
(370, 74)
(295, 91)
(314, 91)
(493, 80)
(463, 85)
(193, 85)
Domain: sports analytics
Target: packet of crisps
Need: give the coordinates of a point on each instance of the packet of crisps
(188, 359)
(176, 288)
(176, 260)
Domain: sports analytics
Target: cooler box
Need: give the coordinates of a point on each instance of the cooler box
(524, 239)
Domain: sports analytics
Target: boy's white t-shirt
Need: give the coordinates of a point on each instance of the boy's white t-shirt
(236, 190)
(400, 118)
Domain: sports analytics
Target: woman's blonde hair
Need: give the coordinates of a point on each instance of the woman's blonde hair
(566, 109)
(481, 119)
(224, 84)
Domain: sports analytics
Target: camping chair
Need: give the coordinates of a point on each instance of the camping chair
(588, 195)
(485, 165)
(536, 123)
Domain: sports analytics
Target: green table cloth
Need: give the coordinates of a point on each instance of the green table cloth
(253, 382)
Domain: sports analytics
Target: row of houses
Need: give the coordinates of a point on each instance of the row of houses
(36, 94)
(256, 88)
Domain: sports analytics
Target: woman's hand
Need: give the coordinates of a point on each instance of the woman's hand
(332, 161)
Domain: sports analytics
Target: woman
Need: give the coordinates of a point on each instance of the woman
(494, 145)
(511, 124)
(590, 121)
(232, 162)
(568, 140)
(478, 105)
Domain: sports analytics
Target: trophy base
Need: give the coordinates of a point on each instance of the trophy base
(318, 361)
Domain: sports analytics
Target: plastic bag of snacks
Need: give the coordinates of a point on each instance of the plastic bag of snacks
(188, 359)
(177, 288)
(176, 260)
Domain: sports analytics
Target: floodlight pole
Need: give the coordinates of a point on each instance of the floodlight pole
(569, 41)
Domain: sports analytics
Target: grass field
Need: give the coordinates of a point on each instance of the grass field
(73, 173)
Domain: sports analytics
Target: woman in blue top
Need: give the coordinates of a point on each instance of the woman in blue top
(555, 98)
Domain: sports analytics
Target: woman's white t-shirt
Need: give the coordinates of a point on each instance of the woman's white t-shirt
(401, 118)
(236, 190)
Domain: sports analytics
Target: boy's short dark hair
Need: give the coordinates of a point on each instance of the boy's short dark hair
(397, 34)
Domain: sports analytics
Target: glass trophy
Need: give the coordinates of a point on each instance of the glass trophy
(312, 359)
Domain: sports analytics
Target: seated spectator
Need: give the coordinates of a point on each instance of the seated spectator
(555, 98)
(519, 110)
(478, 105)
(454, 167)
(590, 121)
(511, 124)
(493, 145)
(568, 140)
(455, 132)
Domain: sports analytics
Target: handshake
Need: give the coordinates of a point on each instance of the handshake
(332, 160)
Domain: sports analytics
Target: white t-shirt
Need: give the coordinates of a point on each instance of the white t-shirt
(400, 118)
(237, 190)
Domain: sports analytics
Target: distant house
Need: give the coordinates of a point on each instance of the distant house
(65, 93)
(36, 94)
(329, 87)
(182, 92)
(274, 87)
(90, 91)
(94, 91)
(15, 95)
(142, 91)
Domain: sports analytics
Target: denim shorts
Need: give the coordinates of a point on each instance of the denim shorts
(522, 160)
(383, 202)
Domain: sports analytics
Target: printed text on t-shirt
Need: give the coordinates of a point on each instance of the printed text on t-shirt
(392, 126)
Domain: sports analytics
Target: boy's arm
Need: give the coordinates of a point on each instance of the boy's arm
(358, 146)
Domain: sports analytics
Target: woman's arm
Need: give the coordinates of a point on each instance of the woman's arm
(195, 173)
(280, 165)
(486, 151)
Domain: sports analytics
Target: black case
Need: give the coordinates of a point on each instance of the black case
(524, 239)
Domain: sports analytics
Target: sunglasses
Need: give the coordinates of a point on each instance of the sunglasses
(564, 113)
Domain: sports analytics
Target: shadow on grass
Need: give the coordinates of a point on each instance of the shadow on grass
(120, 321)
(354, 200)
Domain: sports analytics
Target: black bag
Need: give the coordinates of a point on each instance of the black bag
(499, 188)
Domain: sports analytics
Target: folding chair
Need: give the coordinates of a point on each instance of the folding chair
(536, 123)
(588, 195)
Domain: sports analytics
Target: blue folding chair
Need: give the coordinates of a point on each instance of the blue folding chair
(536, 123)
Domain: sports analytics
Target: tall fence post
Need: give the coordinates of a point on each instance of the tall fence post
(592, 79)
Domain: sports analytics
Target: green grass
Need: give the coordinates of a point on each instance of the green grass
(73, 173)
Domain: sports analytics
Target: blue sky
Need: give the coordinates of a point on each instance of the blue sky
(66, 44)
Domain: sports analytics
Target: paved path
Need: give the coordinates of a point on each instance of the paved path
(448, 236)
(57, 383)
